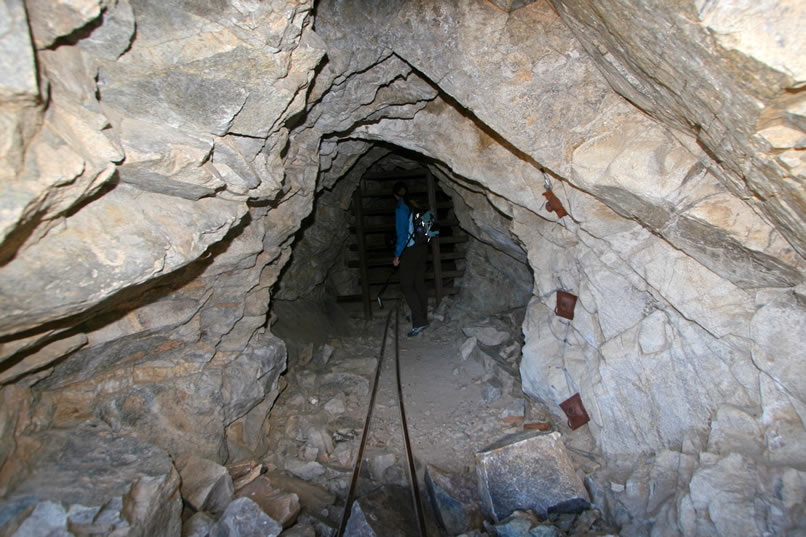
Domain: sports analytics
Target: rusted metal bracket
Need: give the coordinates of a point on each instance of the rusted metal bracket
(565, 304)
(575, 410)
(553, 204)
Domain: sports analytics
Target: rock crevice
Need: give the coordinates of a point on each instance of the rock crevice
(171, 169)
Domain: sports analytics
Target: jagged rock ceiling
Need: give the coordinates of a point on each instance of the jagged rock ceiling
(161, 157)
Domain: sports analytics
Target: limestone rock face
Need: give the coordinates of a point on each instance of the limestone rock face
(93, 479)
(160, 159)
(139, 160)
(19, 72)
(140, 183)
(678, 278)
(497, 273)
(82, 255)
(743, 69)
(322, 247)
(14, 419)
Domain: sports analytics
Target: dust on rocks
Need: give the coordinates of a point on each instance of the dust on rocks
(461, 392)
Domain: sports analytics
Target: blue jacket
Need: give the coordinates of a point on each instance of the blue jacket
(404, 227)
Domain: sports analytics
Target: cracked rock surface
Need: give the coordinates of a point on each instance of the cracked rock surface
(170, 173)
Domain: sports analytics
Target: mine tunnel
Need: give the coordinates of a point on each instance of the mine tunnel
(461, 378)
(373, 235)
(199, 302)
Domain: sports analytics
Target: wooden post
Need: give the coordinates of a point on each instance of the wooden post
(435, 253)
(358, 211)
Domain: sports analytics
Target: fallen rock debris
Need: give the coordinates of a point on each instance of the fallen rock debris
(319, 419)
(206, 485)
(462, 395)
(529, 470)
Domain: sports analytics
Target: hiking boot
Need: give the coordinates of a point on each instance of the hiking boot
(417, 330)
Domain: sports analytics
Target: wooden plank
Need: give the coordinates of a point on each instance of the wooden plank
(429, 276)
(460, 239)
(382, 261)
(435, 253)
(378, 193)
(417, 173)
(358, 298)
(379, 228)
(362, 251)
(391, 208)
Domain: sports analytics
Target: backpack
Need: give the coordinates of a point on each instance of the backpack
(425, 227)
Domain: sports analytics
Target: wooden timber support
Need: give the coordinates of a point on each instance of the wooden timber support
(435, 254)
(362, 249)
(374, 235)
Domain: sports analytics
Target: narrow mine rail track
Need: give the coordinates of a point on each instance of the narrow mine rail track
(414, 487)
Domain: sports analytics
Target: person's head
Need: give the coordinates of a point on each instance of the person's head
(416, 203)
(400, 190)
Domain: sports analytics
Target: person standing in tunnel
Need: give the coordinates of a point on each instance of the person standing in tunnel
(411, 258)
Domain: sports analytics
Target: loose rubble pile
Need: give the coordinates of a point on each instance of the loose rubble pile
(93, 481)
(161, 160)
(472, 432)
(490, 462)
(240, 500)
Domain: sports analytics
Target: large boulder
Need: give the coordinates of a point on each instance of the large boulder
(92, 479)
(244, 518)
(206, 486)
(529, 471)
(280, 505)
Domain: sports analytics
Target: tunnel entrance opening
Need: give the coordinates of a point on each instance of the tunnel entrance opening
(461, 376)
(343, 251)
(373, 238)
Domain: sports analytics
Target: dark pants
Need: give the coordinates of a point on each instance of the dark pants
(412, 282)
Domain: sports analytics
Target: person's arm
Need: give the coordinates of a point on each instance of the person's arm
(402, 230)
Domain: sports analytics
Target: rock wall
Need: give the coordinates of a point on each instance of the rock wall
(497, 275)
(729, 74)
(684, 342)
(161, 158)
(146, 212)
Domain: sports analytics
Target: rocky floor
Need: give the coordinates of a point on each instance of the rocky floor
(461, 393)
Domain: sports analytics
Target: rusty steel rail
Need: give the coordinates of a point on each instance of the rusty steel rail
(415, 491)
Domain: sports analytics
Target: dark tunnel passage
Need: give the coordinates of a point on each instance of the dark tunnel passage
(196, 227)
